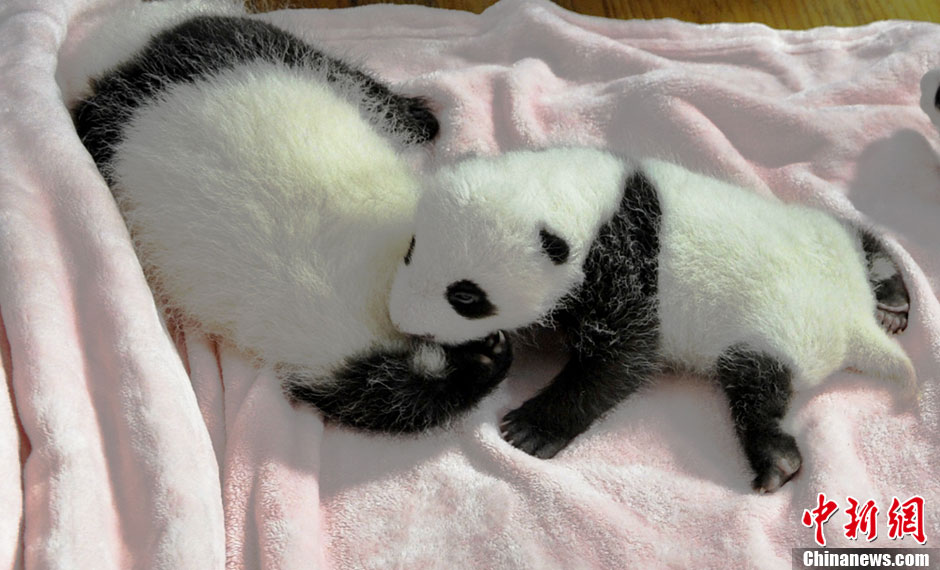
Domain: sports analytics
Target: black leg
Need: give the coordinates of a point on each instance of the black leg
(584, 391)
(758, 390)
(425, 386)
(408, 118)
(893, 301)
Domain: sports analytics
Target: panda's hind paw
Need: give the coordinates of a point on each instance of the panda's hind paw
(778, 462)
(893, 318)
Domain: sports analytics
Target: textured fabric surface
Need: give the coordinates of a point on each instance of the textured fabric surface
(123, 447)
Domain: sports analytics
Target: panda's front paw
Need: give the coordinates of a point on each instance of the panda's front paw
(776, 461)
(532, 430)
(486, 361)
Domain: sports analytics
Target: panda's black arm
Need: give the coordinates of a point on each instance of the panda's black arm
(402, 392)
(614, 343)
(591, 384)
(612, 328)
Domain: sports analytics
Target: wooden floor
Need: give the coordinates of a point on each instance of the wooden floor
(790, 14)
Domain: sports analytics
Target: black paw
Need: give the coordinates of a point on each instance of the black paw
(893, 303)
(528, 428)
(776, 461)
(486, 360)
(416, 121)
(893, 318)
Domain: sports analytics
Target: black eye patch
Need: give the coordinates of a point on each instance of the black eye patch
(468, 300)
(555, 247)
(411, 248)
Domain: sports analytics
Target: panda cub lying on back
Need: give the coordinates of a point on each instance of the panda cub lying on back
(643, 265)
(269, 203)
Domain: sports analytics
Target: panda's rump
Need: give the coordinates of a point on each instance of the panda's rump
(268, 210)
(737, 268)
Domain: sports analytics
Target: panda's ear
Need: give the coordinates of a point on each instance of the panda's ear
(555, 247)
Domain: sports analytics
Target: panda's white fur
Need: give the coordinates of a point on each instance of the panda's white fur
(734, 266)
(643, 264)
(280, 233)
(270, 191)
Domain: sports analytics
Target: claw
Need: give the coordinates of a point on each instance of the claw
(496, 342)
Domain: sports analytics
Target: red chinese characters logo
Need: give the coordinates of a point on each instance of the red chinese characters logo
(864, 519)
(905, 518)
(818, 516)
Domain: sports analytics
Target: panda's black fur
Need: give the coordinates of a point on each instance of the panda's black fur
(656, 250)
(611, 327)
(205, 45)
(406, 386)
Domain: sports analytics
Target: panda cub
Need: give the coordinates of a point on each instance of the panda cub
(264, 185)
(644, 265)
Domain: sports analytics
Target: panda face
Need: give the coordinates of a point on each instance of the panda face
(471, 272)
(500, 240)
(470, 289)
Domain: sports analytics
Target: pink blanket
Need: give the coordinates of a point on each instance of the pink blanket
(122, 447)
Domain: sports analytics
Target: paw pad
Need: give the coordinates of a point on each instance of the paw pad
(892, 318)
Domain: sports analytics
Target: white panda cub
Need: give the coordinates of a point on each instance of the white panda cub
(644, 265)
(268, 208)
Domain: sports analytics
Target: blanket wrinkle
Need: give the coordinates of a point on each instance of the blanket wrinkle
(102, 454)
(125, 443)
(14, 447)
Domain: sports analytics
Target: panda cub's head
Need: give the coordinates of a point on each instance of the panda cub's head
(499, 241)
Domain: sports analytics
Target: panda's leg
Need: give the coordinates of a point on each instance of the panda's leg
(408, 118)
(585, 389)
(758, 390)
(893, 301)
(424, 386)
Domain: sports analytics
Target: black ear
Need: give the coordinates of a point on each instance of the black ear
(555, 247)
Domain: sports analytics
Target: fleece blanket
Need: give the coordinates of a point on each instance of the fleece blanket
(123, 445)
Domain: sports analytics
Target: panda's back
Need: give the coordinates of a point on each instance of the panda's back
(739, 268)
(265, 208)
